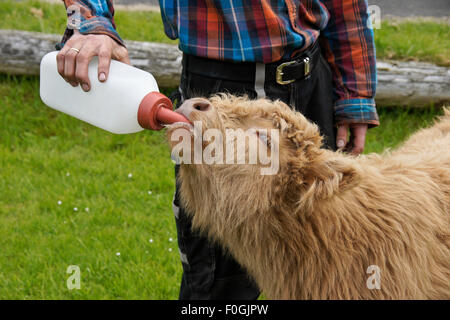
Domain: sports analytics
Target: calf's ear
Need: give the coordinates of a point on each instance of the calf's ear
(280, 123)
(346, 172)
(294, 126)
(323, 180)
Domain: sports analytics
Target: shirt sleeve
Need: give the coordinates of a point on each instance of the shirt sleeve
(95, 17)
(348, 45)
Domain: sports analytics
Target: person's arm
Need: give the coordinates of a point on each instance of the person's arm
(348, 45)
(95, 35)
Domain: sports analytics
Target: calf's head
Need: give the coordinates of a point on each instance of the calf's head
(241, 152)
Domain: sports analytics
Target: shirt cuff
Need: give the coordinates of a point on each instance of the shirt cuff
(94, 25)
(356, 110)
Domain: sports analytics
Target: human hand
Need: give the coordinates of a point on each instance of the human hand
(73, 59)
(357, 140)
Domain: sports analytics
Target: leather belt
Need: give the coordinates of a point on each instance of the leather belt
(282, 72)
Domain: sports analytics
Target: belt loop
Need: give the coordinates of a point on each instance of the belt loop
(292, 88)
(260, 79)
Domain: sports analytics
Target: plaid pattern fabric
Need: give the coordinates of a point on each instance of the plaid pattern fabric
(266, 31)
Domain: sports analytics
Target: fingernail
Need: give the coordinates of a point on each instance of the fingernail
(73, 84)
(85, 87)
(340, 143)
(102, 77)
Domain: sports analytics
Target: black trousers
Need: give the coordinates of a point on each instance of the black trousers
(209, 272)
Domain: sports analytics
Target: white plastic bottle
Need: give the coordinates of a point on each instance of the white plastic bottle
(128, 101)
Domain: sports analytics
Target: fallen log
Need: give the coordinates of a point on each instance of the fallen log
(399, 83)
(412, 84)
(22, 51)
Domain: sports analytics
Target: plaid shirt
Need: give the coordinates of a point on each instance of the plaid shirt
(266, 31)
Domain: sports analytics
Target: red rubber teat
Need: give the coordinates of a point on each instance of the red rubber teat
(155, 110)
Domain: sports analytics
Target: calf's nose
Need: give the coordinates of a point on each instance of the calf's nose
(198, 104)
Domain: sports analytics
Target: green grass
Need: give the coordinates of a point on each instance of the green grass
(46, 157)
(425, 41)
(396, 124)
(34, 15)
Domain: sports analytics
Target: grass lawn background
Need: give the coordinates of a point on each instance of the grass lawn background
(46, 157)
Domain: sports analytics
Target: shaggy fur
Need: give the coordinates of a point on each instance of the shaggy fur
(312, 230)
